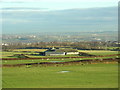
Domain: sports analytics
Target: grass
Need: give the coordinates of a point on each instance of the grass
(80, 76)
(48, 60)
(93, 52)
(39, 50)
(10, 55)
(99, 52)
(113, 48)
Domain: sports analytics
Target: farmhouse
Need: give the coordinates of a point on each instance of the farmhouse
(54, 51)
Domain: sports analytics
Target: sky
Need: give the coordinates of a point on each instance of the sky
(23, 16)
(58, 4)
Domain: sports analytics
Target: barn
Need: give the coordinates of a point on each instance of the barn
(53, 51)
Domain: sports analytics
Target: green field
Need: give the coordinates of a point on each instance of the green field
(49, 60)
(93, 52)
(32, 51)
(99, 52)
(98, 75)
(79, 76)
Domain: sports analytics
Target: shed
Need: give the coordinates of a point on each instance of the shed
(51, 52)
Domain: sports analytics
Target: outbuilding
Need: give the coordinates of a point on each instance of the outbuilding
(53, 51)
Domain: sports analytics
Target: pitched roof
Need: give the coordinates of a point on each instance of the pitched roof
(62, 50)
(67, 50)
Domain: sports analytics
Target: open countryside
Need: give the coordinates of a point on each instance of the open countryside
(88, 69)
(59, 44)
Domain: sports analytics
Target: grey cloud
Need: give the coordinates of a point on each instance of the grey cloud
(23, 8)
(71, 20)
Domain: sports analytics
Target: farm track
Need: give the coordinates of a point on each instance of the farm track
(57, 57)
(90, 61)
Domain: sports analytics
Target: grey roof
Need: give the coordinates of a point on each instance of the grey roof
(62, 50)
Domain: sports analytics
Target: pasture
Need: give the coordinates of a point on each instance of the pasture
(78, 76)
(32, 53)
(99, 52)
(49, 60)
(97, 75)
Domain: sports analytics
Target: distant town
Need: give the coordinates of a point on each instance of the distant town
(60, 37)
(79, 40)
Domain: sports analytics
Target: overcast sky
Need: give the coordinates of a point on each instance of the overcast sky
(56, 17)
(58, 4)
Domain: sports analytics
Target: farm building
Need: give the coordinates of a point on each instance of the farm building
(53, 51)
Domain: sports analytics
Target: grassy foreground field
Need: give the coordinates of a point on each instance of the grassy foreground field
(98, 75)
(73, 76)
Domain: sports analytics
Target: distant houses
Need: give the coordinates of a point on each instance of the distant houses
(53, 51)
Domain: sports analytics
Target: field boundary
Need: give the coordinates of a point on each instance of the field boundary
(58, 57)
(90, 61)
